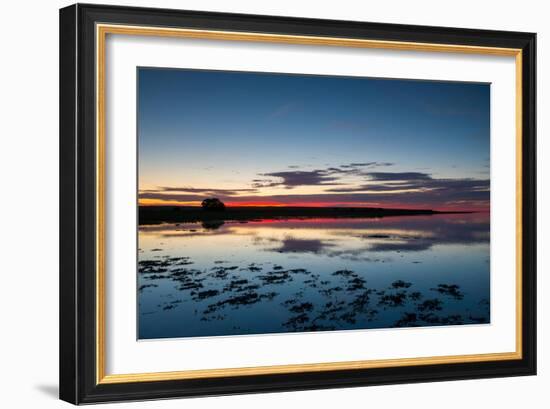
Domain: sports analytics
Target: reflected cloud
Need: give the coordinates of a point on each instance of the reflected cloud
(352, 239)
(356, 238)
(293, 245)
(420, 235)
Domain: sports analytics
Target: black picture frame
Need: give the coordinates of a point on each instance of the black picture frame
(78, 313)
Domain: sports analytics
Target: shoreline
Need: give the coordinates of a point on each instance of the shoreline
(193, 214)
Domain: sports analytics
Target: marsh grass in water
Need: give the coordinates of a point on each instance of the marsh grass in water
(233, 278)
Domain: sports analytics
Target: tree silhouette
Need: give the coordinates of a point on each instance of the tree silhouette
(212, 204)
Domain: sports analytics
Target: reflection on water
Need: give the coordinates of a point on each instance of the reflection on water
(312, 275)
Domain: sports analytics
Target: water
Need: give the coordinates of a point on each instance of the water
(312, 275)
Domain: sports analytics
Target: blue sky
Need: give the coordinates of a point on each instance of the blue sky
(262, 136)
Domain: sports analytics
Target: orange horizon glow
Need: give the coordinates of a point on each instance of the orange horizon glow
(449, 208)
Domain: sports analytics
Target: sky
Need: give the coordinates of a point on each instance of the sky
(260, 139)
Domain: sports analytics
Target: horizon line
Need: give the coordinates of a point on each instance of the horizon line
(446, 209)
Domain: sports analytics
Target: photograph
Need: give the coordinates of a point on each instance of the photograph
(289, 203)
(256, 201)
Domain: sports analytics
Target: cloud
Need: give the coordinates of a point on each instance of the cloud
(367, 164)
(285, 110)
(328, 176)
(396, 176)
(420, 183)
(205, 191)
(190, 194)
(167, 197)
(377, 189)
(294, 178)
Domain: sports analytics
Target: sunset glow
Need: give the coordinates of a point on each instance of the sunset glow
(253, 139)
(278, 203)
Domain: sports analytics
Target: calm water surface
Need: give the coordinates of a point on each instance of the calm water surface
(312, 275)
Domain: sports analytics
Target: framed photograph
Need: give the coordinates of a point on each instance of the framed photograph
(257, 203)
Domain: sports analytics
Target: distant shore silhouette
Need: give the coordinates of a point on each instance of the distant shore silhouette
(182, 214)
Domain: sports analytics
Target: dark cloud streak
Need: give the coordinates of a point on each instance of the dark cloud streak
(418, 189)
(206, 191)
(291, 179)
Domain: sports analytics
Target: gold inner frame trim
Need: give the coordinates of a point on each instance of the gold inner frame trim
(101, 33)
